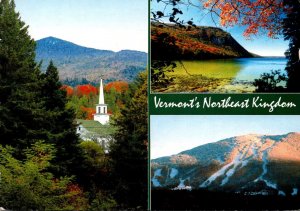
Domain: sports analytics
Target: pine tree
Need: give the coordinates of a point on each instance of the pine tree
(291, 32)
(59, 125)
(20, 112)
(32, 106)
(129, 151)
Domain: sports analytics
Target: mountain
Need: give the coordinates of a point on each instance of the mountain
(250, 165)
(76, 62)
(174, 42)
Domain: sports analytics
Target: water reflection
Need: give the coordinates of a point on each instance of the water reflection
(234, 75)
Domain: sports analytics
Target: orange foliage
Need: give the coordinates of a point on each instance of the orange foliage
(109, 111)
(86, 90)
(89, 112)
(119, 86)
(258, 14)
(68, 89)
(186, 42)
(76, 197)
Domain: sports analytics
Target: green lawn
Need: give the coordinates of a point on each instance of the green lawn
(96, 127)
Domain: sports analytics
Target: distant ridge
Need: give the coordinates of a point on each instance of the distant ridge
(76, 62)
(58, 47)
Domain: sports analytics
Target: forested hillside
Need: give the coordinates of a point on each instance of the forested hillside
(77, 62)
(199, 42)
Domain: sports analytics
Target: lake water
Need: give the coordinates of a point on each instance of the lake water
(236, 71)
(253, 68)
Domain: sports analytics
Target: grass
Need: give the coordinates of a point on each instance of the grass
(96, 127)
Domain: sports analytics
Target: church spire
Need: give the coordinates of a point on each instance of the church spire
(101, 94)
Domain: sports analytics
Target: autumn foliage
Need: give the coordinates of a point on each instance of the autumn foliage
(89, 112)
(68, 89)
(256, 15)
(87, 89)
(184, 40)
(119, 86)
(76, 197)
(195, 43)
(83, 98)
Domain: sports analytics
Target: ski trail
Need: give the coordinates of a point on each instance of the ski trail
(265, 171)
(173, 173)
(154, 180)
(255, 150)
(221, 172)
(240, 159)
(181, 184)
(295, 192)
(230, 168)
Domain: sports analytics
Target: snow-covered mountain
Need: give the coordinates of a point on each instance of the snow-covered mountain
(250, 164)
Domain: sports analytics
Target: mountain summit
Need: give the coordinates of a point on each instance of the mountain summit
(75, 61)
(55, 48)
(250, 164)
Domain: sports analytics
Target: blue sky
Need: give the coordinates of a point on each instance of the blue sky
(112, 25)
(260, 44)
(171, 134)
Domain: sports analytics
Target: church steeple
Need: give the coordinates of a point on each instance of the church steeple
(101, 94)
(101, 108)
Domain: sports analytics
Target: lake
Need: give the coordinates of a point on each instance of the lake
(223, 76)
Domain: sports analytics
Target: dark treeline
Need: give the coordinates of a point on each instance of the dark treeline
(162, 199)
(43, 162)
(76, 81)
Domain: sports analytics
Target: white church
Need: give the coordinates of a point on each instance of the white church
(101, 114)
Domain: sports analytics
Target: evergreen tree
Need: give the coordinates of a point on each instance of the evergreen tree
(291, 32)
(129, 151)
(20, 112)
(59, 126)
(32, 106)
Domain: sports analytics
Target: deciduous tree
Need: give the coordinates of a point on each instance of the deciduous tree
(28, 185)
(257, 16)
